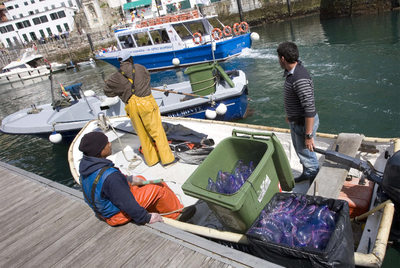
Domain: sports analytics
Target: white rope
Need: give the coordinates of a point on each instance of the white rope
(135, 161)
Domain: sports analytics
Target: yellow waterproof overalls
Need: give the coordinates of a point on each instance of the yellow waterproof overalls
(146, 119)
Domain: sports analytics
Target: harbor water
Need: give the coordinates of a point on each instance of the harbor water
(354, 63)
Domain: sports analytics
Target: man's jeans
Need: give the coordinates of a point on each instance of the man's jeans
(308, 159)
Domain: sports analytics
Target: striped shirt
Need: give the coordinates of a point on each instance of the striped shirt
(299, 94)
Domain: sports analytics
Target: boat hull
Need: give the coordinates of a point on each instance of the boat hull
(236, 109)
(188, 56)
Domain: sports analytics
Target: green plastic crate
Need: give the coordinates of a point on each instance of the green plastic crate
(238, 211)
(201, 78)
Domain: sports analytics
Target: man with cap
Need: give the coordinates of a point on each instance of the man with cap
(132, 84)
(118, 199)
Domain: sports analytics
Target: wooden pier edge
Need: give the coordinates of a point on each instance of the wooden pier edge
(214, 253)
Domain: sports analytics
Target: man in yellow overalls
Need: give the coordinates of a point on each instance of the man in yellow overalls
(132, 84)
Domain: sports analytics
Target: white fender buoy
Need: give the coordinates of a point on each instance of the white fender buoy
(221, 109)
(254, 36)
(55, 137)
(211, 114)
(213, 45)
(89, 93)
(176, 61)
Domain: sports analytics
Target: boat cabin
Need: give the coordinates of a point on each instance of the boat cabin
(165, 36)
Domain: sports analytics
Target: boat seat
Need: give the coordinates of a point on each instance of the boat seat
(331, 176)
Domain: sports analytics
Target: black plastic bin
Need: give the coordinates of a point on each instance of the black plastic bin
(339, 251)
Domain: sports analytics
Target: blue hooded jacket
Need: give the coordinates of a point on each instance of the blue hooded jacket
(115, 188)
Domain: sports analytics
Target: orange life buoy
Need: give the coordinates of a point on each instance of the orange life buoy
(236, 28)
(197, 38)
(216, 33)
(244, 27)
(227, 30)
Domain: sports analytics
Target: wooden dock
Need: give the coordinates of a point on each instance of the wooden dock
(43, 224)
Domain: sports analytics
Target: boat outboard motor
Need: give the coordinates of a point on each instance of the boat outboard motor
(391, 178)
(389, 182)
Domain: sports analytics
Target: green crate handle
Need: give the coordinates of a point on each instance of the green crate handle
(252, 135)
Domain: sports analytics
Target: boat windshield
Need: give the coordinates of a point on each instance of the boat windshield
(21, 66)
(126, 41)
(142, 39)
(187, 29)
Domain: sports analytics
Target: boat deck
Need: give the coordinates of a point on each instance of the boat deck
(44, 224)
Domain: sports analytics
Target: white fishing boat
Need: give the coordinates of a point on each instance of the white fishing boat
(30, 65)
(179, 40)
(57, 67)
(268, 147)
(90, 62)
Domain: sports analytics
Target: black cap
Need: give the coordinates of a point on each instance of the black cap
(93, 143)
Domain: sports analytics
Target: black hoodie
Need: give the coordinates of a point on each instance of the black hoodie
(115, 188)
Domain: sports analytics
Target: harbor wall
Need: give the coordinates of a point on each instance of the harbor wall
(269, 11)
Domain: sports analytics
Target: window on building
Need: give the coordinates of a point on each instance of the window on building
(62, 4)
(66, 27)
(21, 16)
(16, 6)
(42, 33)
(25, 3)
(26, 23)
(33, 36)
(31, 13)
(10, 28)
(19, 25)
(70, 3)
(49, 31)
(10, 7)
(14, 17)
(9, 42)
(25, 38)
(36, 11)
(61, 14)
(53, 16)
(59, 28)
(32, 1)
(3, 30)
(44, 19)
(53, 6)
(46, 8)
(36, 21)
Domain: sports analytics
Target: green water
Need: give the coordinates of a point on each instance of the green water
(354, 63)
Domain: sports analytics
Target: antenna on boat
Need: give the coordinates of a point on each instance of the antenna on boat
(51, 81)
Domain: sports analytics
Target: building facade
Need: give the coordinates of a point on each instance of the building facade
(36, 20)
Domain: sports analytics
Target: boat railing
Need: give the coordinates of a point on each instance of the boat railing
(193, 14)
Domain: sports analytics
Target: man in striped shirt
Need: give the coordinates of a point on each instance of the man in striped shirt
(300, 109)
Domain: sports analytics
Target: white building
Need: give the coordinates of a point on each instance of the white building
(30, 20)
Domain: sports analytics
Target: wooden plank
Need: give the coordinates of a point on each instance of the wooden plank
(331, 176)
(24, 249)
(47, 227)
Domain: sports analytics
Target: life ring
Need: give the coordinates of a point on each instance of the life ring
(218, 32)
(236, 28)
(227, 30)
(244, 27)
(195, 36)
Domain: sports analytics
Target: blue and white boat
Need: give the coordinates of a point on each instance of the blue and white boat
(181, 40)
